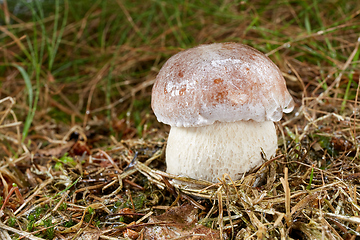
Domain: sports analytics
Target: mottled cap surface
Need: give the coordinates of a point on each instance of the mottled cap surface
(225, 82)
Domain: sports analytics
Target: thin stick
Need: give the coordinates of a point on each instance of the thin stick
(220, 218)
(285, 184)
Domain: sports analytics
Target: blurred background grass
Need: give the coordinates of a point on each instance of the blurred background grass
(77, 61)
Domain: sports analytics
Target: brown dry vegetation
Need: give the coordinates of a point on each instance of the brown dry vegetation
(79, 141)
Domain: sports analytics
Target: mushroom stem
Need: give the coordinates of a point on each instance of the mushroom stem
(208, 152)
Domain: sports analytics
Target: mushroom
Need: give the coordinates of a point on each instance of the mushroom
(220, 100)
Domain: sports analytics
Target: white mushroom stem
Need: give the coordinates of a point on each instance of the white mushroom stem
(210, 151)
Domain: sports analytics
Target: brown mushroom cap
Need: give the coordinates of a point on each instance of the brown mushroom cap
(223, 82)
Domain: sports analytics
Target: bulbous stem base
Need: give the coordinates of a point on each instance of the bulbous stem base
(210, 151)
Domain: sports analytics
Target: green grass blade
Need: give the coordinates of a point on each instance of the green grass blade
(30, 93)
(311, 179)
(53, 45)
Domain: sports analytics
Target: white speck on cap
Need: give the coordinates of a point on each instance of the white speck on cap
(225, 82)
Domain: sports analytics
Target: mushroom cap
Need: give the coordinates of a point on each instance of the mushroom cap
(225, 82)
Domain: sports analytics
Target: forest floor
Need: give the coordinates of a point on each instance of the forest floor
(82, 154)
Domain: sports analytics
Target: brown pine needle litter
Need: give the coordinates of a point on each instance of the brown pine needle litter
(80, 144)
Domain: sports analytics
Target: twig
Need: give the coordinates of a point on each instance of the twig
(285, 184)
(221, 214)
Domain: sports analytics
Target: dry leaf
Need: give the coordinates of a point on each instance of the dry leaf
(128, 233)
(56, 151)
(181, 223)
